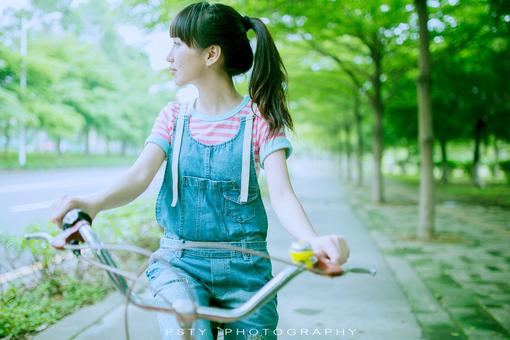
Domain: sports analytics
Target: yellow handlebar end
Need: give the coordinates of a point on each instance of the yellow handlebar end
(302, 256)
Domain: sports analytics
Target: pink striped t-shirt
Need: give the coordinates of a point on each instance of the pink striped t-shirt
(212, 130)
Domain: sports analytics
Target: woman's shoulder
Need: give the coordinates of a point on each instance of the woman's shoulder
(173, 106)
(171, 110)
(251, 107)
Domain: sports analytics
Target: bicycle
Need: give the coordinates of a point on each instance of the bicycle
(77, 223)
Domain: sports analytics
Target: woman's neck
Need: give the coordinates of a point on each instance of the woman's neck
(216, 96)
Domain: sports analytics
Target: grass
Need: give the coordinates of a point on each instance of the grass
(466, 265)
(34, 307)
(50, 160)
(34, 302)
(495, 192)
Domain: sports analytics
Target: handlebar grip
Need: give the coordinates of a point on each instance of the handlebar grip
(70, 219)
(301, 251)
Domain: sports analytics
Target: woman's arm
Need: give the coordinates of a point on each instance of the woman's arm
(293, 218)
(121, 191)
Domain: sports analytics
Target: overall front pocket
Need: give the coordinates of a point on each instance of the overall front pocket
(236, 210)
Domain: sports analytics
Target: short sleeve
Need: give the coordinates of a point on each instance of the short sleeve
(269, 144)
(162, 130)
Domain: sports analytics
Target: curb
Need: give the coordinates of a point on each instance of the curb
(434, 321)
(73, 324)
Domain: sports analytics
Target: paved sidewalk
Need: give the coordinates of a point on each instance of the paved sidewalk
(353, 307)
(459, 283)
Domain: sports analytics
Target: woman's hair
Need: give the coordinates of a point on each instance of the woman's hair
(201, 25)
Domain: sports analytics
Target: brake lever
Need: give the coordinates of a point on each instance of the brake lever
(360, 270)
(71, 235)
(39, 236)
(302, 252)
(72, 222)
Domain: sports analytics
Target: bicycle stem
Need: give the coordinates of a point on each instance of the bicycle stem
(104, 257)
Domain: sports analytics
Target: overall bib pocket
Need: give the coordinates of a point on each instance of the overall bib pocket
(237, 210)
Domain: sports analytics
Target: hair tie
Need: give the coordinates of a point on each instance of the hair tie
(247, 23)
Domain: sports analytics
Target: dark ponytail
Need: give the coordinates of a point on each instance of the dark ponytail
(268, 83)
(201, 25)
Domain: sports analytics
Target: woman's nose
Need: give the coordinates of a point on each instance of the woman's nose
(170, 57)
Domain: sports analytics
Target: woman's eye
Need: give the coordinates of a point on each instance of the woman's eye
(176, 43)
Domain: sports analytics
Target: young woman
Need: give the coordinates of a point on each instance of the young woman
(215, 147)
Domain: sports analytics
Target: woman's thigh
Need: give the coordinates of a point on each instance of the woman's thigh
(170, 285)
(246, 277)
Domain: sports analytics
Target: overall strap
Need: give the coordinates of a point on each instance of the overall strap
(176, 152)
(245, 172)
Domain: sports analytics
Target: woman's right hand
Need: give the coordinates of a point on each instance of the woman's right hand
(65, 203)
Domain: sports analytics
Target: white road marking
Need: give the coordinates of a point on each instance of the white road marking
(32, 268)
(36, 206)
(69, 183)
(23, 271)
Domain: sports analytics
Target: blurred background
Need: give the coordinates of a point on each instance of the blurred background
(84, 79)
(406, 103)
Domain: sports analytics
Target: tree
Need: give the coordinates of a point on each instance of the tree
(426, 137)
(401, 125)
(359, 37)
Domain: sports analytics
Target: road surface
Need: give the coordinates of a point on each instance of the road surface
(26, 196)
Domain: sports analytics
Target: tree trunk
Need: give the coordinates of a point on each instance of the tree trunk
(426, 137)
(378, 143)
(340, 165)
(359, 147)
(403, 166)
(124, 147)
(377, 150)
(347, 128)
(7, 138)
(495, 172)
(476, 180)
(87, 143)
(445, 175)
(108, 153)
(57, 148)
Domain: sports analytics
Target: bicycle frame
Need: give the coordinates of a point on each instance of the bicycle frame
(186, 310)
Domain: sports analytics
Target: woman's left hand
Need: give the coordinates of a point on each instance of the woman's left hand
(331, 251)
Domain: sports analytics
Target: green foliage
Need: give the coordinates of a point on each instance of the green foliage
(495, 193)
(467, 167)
(505, 166)
(66, 160)
(31, 308)
(82, 77)
(451, 164)
(401, 119)
(59, 288)
(132, 224)
(333, 50)
(11, 105)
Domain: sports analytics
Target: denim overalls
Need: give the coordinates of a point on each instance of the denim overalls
(210, 202)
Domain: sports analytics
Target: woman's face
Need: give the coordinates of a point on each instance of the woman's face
(186, 64)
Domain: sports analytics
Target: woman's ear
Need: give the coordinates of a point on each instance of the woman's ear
(213, 54)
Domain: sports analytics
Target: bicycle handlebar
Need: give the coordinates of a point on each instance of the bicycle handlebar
(185, 308)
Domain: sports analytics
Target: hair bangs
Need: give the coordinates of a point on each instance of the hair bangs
(182, 27)
(185, 25)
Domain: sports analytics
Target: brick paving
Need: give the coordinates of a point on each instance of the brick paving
(466, 270)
